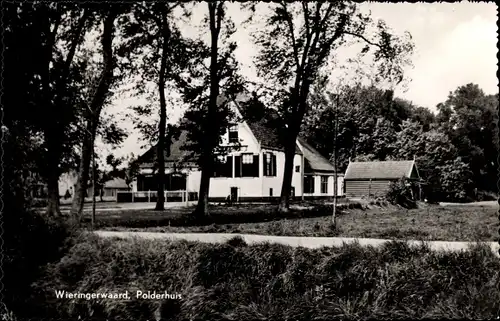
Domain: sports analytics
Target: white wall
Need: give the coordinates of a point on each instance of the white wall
(249, 143)
(67, 182)
(276, 181)
(330, 187)
(251, 186)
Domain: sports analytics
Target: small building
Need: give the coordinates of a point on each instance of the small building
(113, 186)
(374, 178)
(319, 173)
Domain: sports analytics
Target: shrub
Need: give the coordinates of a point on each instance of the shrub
(272, 281)
(399, 193)
(30, 242)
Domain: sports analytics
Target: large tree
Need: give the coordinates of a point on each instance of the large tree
(209, 90)
(98, 93)
(45, 81)
(298, 40)
(158, 52)
(469, 118)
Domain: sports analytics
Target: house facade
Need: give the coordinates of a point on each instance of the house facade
(252, 172)
(374, 178)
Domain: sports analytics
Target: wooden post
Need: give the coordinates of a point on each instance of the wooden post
(93, 180)
(149, 196)
(334, 218)
(369, 187)
(187, 191)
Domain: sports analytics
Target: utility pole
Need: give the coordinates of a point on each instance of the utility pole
(93, 179)
(334, 216)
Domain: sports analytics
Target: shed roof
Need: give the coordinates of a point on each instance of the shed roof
(314, 161)
(380, 170)
(176, 152)
(116, 183)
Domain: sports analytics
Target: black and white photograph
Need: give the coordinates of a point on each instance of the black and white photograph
(223, 160)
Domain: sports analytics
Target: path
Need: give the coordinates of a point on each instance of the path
(481, 203)
(308, 242)
(130, 206)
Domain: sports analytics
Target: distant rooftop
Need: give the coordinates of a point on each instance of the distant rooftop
(381, 170)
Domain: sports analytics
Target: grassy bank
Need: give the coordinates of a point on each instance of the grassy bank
(235, 281)
(465, 223)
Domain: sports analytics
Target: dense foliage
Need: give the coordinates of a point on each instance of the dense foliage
(454, 149)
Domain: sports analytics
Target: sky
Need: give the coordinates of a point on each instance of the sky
(455, 44)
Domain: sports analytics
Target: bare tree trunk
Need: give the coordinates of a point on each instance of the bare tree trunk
(53, 194)
(52, 172)
(286, 186)
(83, 175)
(202, 206)
(160, 156)
(215, 20)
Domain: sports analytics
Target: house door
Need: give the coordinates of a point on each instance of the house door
(234, 194)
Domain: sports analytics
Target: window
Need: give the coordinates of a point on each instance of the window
(324, 184)
(271, 192)
(269, 164)
(247, 158)
(223, 166)
(246, 165)
(297, 169)
(309, 184)
(233, 134)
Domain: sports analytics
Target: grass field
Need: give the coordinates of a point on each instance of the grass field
(430, 222)
(235, 281)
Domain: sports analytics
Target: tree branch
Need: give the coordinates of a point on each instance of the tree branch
(305, 8)
(292, 35)
(220, 12)
(363, 38)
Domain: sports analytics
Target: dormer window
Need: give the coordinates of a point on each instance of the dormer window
(233, 134)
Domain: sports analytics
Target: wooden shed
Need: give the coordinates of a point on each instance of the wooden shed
(115, 185)
(374, 178)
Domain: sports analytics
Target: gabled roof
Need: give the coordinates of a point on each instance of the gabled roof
(380, 170)
(176, 152)
(314, 161)
(116, 183)
(265, 129)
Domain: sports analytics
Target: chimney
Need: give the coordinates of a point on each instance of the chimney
(414, 157)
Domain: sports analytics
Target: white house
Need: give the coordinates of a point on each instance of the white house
(253, 172)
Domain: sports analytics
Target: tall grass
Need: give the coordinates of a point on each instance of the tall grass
(235, 281)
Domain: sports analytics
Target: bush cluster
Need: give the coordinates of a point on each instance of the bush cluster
(399, 193)
(235, 281)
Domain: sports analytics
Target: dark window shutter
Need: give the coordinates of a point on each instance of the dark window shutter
(255, 165)
(237, 166)
(264, 163)
(229, 166)
(273, 162)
